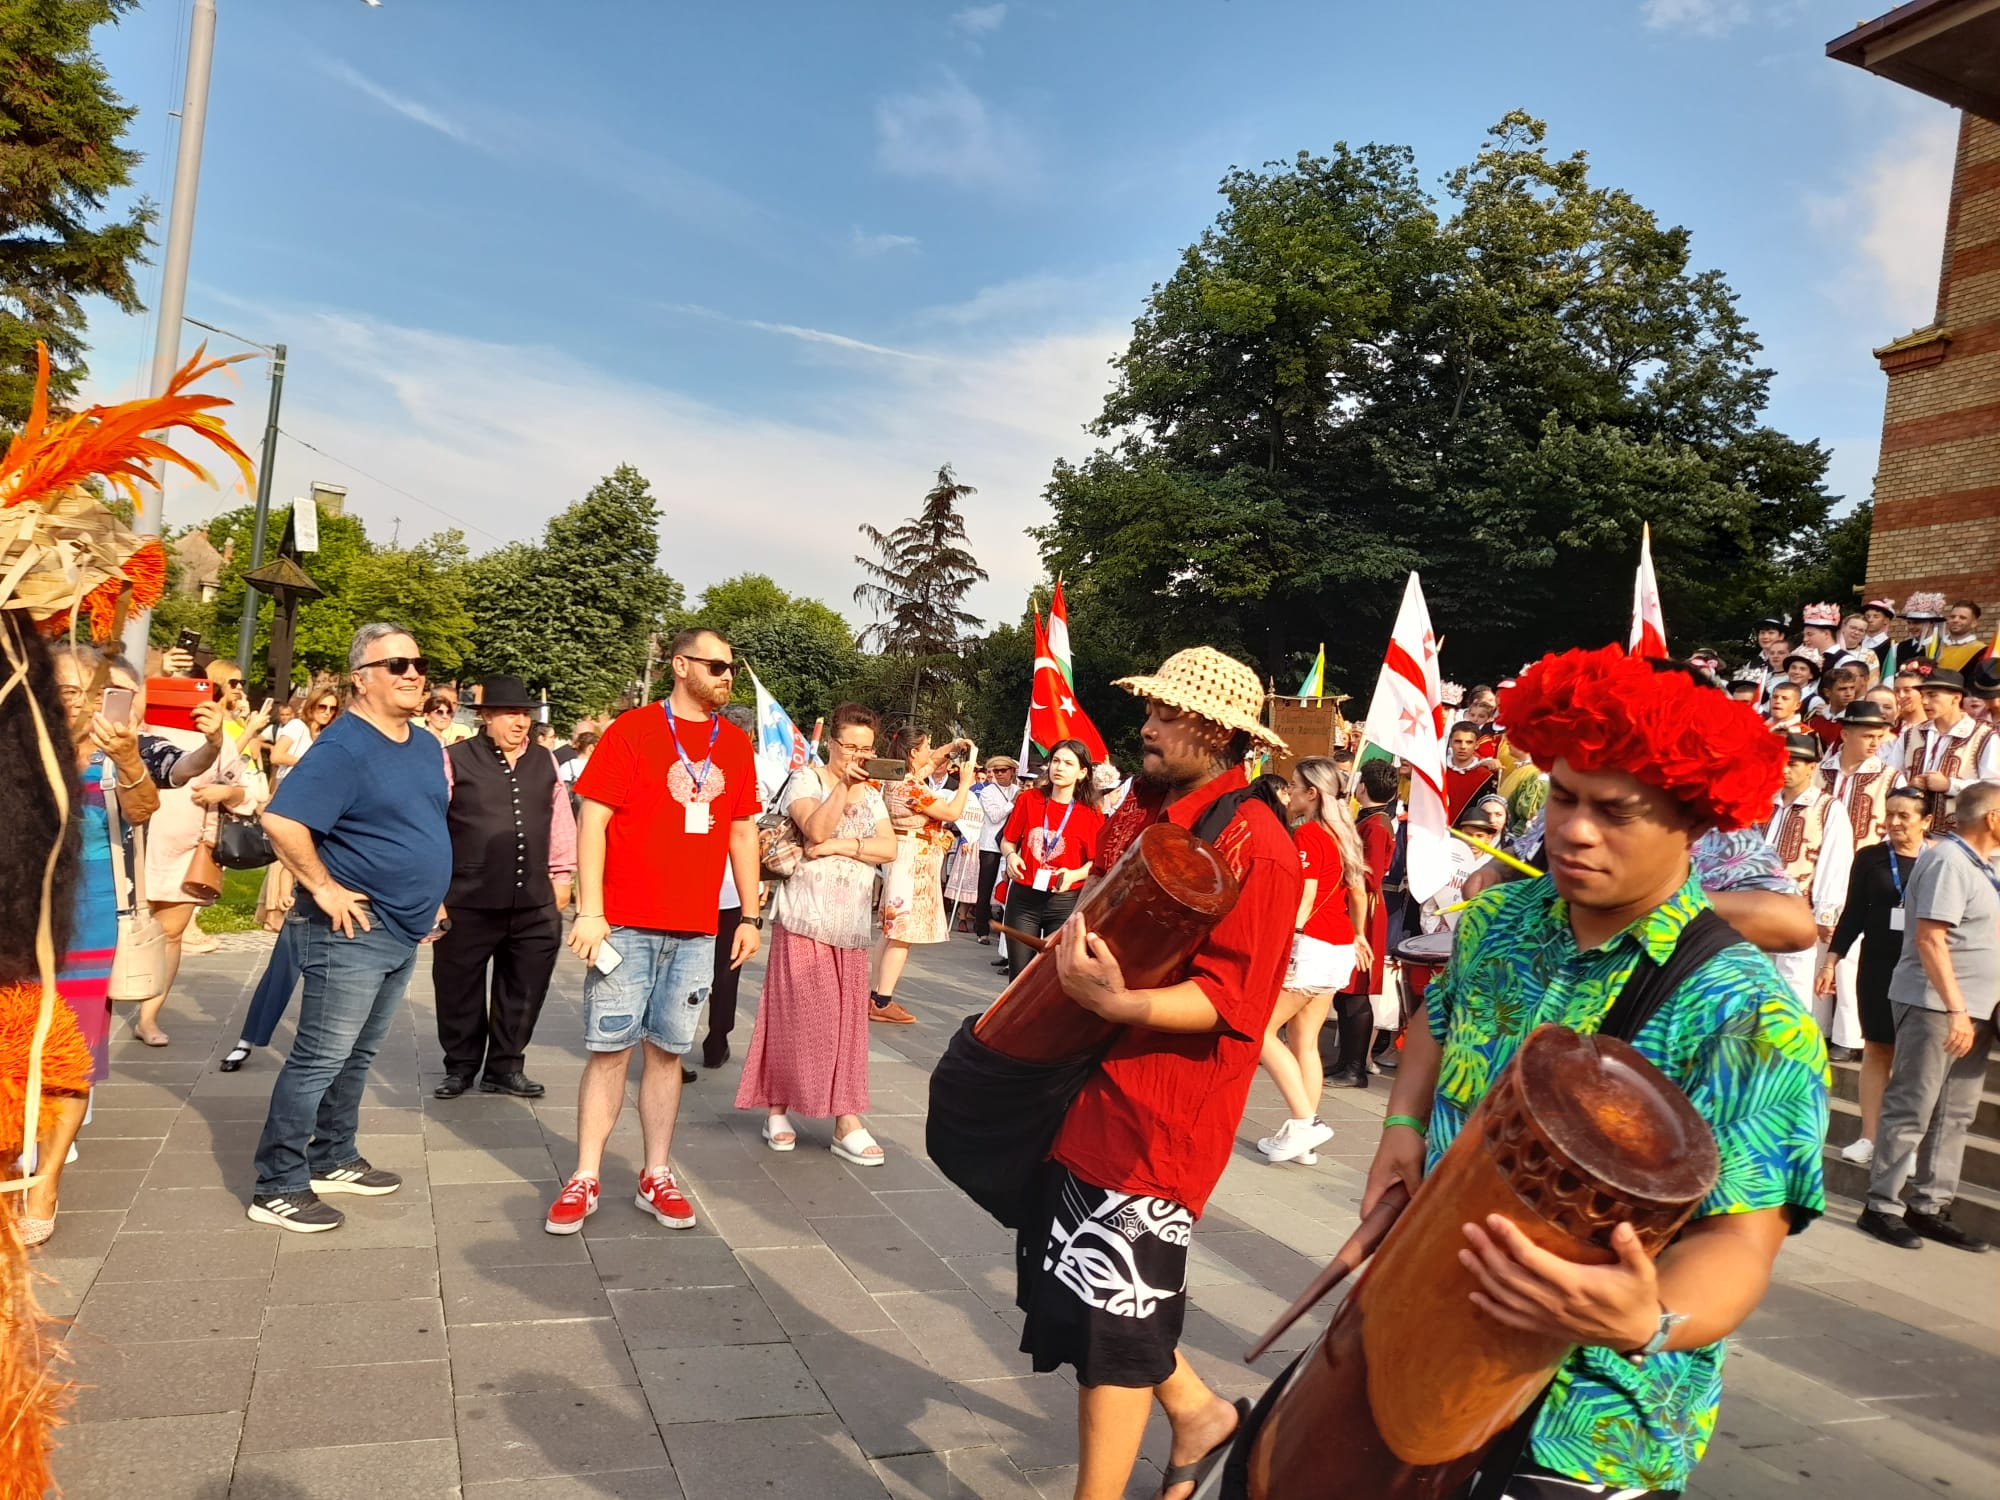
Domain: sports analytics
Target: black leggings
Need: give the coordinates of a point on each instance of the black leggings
(1037, 912)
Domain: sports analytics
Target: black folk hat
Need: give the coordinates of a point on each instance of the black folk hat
(1947, 679)
(1864, 713)
(1804, 747)
(504, 692)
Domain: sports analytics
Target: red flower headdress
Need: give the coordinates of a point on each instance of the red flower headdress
(1603, 710)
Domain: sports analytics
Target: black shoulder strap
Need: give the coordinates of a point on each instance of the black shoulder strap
(1652, 983)
(1209, 828)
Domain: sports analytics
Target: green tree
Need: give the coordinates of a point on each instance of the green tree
(1344, 380)
(801, 649)
(60, 163)
(916, 585)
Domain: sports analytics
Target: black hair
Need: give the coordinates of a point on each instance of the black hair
(1086, 791)
(1380, 777)
(28, 810)
(1688, 669)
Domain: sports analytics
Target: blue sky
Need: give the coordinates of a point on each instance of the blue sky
(788, 257)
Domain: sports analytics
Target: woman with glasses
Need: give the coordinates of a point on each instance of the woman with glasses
(809, 1049)
(1049, 846)
(913, 893)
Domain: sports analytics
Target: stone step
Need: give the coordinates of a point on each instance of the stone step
(1982, 1153)
(1986, 1123)
(1976, 1209)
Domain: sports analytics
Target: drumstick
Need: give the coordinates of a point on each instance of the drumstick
(1025, 939)
(1360, 1245)
(1506, 859)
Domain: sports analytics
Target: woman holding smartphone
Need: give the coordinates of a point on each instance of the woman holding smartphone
(1049, 846)
(913, 894)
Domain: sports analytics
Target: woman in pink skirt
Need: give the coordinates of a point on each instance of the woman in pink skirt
(809, 1050)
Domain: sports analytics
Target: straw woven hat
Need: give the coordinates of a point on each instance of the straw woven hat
(1201, 680)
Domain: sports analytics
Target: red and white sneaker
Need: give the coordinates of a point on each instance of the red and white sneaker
(662, 1198)
(575, 1203)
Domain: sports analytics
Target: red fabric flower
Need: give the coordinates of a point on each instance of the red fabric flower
(1603, 710)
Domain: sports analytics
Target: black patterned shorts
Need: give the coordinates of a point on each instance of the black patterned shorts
(1102, 1276)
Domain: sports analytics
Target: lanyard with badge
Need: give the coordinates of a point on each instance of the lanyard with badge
(1050, 844)
(696, 810)
(1896, 915)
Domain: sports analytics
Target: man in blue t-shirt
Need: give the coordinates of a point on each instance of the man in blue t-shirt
(361, 824)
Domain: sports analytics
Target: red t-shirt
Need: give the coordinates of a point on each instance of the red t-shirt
(1159, 1115)
(1319, 856)
(657, 874)
(1378, 847)
(1050, 836)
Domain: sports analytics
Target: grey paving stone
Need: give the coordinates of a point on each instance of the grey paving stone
(83, 1235)
(1032, 1417)
(886, 1255)
(696, 1317)
(442, 1132)
(111, 1123)
(817, 1183)
(316, 1335)
(963, 1474)
(518, 1294)
(958, 1335)
(189, 1257)
(990, 1277)
(1060, 1483)
(155, 1312)
(348, 1404)
(196, 1169)
(531, 1163)
(888, 1397)
(727, 1383)
(656, 1262)
(69, 1280)
(350, 1275)
(523, 1435)
(754, 1216)
(156, 1456)
(633, 1484)
(420, 1470)
(96, 1153)
(472, 1202)
(779, 1458)
(189, 1378)
(400, 1221)
(948, 1223)
(196, 1210)
(487, 1358)
(507, 1242)
(810, 1290)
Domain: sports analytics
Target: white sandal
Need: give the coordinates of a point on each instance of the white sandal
(775, 1126)
(854, 1147)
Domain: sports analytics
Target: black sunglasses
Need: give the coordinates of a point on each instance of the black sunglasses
(715, 668)
(400, 665)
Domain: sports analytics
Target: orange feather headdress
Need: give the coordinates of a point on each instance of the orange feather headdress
(62, 551)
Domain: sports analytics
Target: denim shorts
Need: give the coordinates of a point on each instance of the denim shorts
(656, 993)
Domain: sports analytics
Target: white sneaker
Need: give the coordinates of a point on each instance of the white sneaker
(1860, 1151)
(1295, 1140)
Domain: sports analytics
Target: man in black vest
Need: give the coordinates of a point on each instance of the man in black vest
(513, 851)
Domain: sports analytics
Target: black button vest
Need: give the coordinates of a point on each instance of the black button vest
(499, 823)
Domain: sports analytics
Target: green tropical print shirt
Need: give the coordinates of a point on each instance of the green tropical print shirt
(1749, 1058)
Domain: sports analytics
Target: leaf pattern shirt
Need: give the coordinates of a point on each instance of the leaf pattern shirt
(1734, 1039)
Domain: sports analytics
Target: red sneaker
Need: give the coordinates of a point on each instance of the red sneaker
(575, 1203)
(660, 1197)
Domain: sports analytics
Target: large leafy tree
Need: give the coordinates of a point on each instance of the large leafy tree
(1346, 378)
(916, 585)
(61, 160)
(801, 649)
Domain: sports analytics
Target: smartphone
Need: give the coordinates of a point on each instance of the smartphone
(885, 770)
(608, 958)
(117, 707)
(188, 641)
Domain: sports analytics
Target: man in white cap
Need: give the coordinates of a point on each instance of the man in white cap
(1821, 630)
(1103, 1263)
(1923, 611)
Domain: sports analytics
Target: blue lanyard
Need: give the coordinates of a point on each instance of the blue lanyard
(708, 758)
(1068, 813)
(1896, 874)
(1973, 855)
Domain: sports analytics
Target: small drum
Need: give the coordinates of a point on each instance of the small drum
(1430, 950)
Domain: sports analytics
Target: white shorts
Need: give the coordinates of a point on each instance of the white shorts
(1317, 967)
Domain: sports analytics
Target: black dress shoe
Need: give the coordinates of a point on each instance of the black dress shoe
(452, 1085)
(516, 1083)
(1891, 1231)
(1940, 1228)
(716, 1056)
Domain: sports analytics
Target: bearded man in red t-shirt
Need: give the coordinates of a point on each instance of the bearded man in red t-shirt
(1103, 1266)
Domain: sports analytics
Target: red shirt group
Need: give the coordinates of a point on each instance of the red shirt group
(1329, 919)
(1052, 835)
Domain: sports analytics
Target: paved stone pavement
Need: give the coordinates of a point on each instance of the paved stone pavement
(824, 1333)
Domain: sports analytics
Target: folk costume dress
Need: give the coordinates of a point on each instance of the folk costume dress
(913, 894)
(1816, 846)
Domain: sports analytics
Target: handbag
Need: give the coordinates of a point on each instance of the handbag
(203, 881)
(139, 966)
(242, 844)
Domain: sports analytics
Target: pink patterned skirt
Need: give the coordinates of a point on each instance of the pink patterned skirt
(809, 1051)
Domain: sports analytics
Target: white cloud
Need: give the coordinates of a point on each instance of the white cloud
(1893, 212)
(1703, 17)
(866, 244)
(947, 131)
(979, 20)
(409, 109)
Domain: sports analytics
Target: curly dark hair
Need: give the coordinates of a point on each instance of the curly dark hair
(28, 809)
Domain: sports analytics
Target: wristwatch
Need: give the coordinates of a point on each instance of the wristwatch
(756, 922)
(1669, 1321)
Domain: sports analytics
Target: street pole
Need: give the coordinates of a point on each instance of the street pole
(149, 518)
(251, 605)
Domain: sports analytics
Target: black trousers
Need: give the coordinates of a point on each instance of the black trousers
(989, 876)
(520, 944)
(1036, 912)
(722, 990)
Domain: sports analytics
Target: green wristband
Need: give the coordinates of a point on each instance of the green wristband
(1410, 1120)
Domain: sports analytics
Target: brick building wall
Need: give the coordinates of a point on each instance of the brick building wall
(1937, 489)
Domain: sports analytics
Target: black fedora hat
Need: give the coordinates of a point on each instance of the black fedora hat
(1983, 681)
(1804, 747)
(504, 692)
(1948, 678)
(1863, 713)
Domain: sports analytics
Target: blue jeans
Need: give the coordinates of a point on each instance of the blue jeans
(353, 986)
(281, 977)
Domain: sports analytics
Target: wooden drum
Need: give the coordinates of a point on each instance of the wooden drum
(1153, 910)
(1410, 1384)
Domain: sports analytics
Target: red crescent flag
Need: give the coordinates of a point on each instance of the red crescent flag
(1649, 621)
(1052, 712)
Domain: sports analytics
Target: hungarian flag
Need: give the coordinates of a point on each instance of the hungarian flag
(1052, 712)
(1059, 636)
(1649, 621)
(1406, 718)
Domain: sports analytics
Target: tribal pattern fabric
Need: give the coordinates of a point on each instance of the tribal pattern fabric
(1099, 1249)
(1737, 1043)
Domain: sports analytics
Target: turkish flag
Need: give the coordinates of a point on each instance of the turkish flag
(1052, 712)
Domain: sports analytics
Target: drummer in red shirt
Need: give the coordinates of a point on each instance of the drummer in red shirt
(1049, 845)
(1103, 1268)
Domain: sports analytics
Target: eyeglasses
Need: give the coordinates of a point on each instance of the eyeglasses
(400, 666)
(322, 708)
(232, 682)
(715, 668)
(868, 749)
(70, 692)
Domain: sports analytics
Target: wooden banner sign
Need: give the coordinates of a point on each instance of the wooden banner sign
(1308, 726)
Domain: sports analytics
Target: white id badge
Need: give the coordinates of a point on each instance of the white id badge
(697, 817)
(1043, 879)
(608, 958)
(1896, 920)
